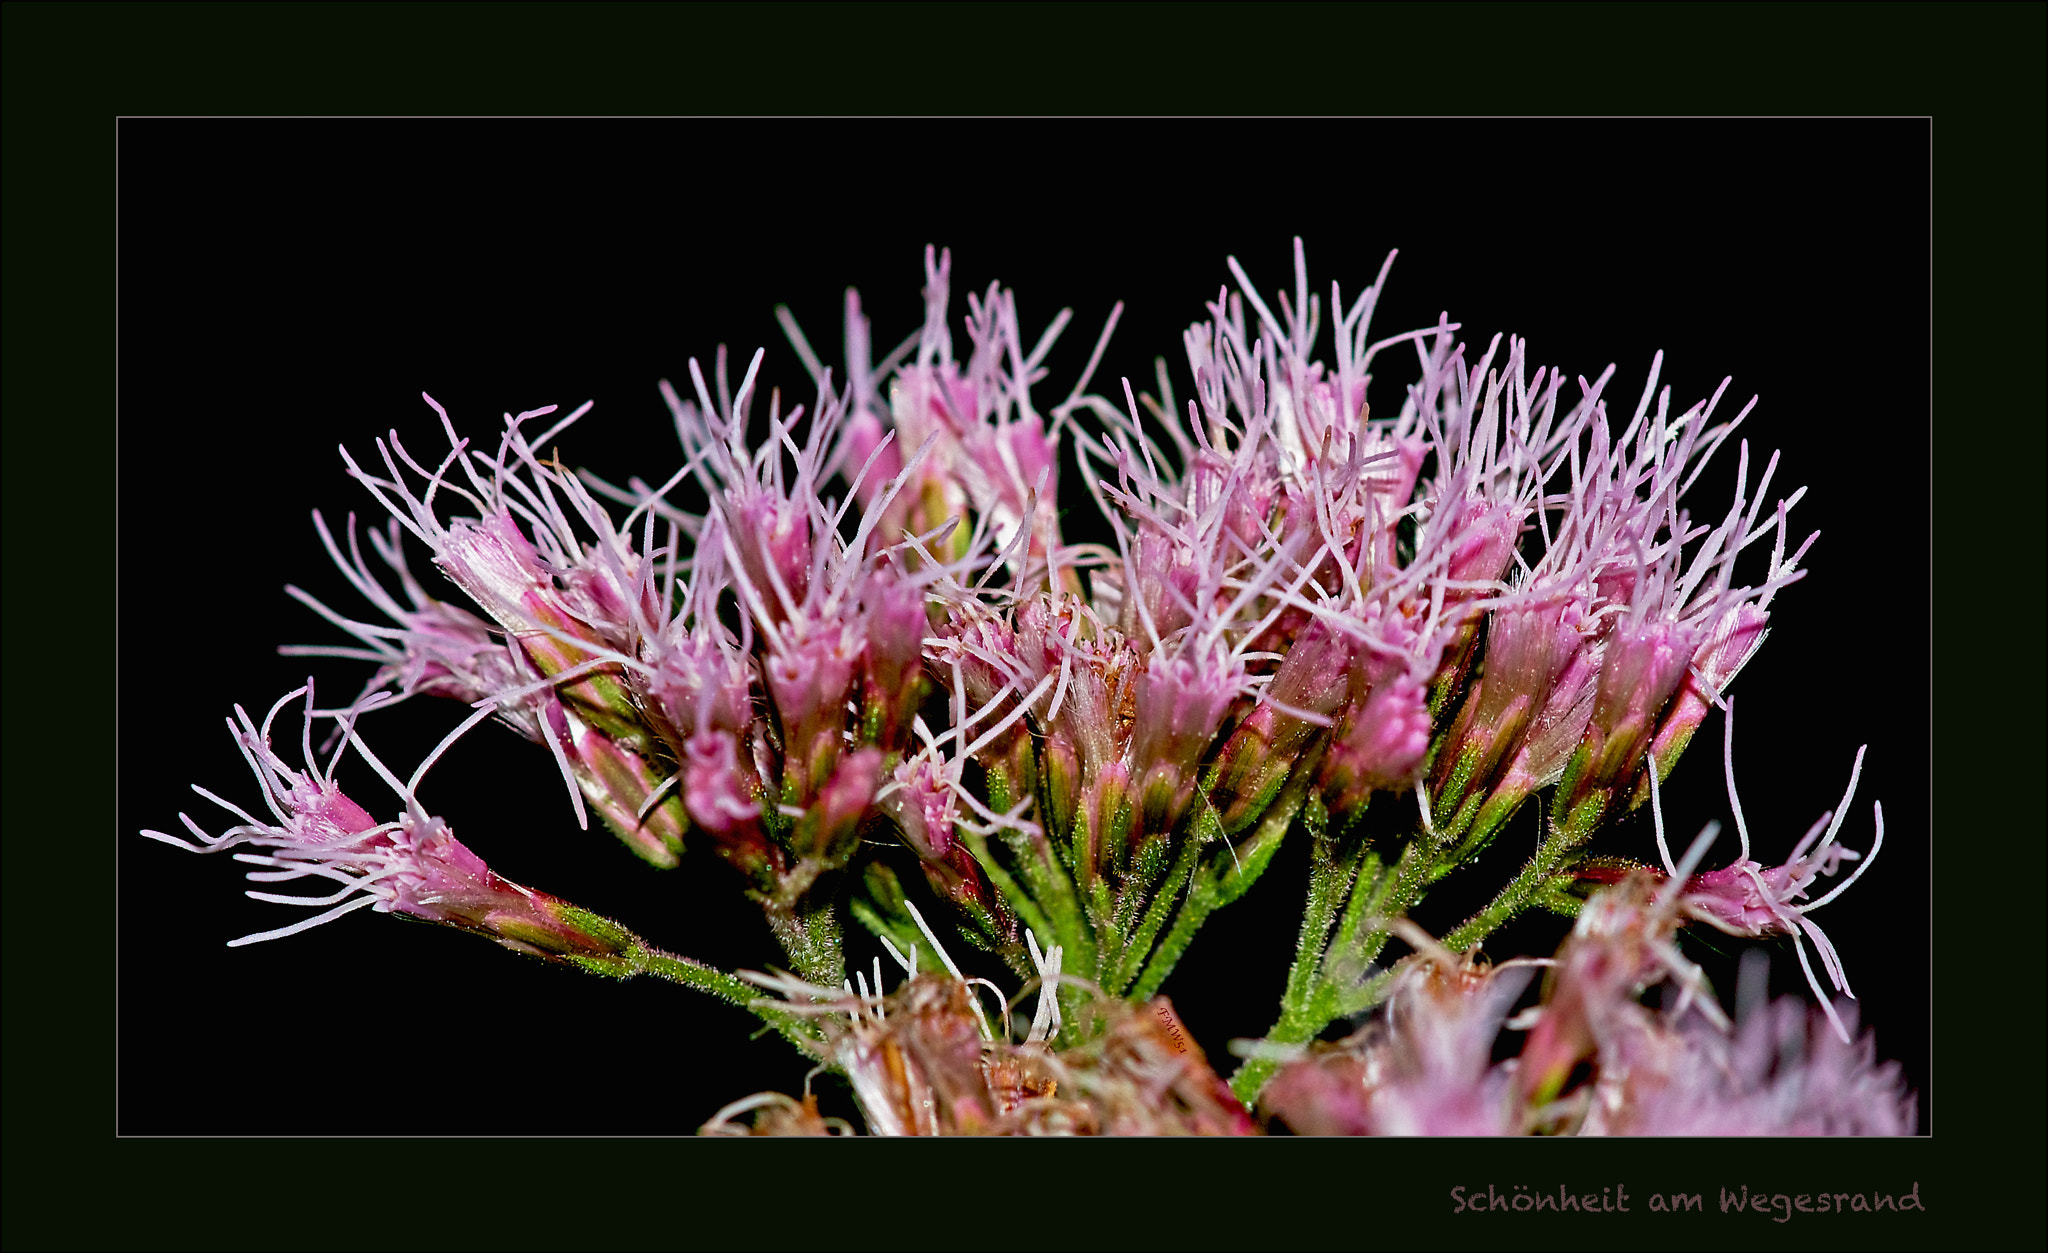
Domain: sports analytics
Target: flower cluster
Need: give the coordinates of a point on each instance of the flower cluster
(847, 645)
(1594, 1060)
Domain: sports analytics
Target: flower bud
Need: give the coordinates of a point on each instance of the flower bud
(618, 782)
(834, 817)
(773, 537)
(1727, 648)
(923, 806)
(413, 865)
(894, 658)
(722, 800)
(809, 677)
(1641, 668)
(1530, 645)
(701, 684)
(1384, 749)
(1179, 706)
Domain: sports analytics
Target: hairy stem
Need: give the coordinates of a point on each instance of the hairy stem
(1521, 892)
(1222, 880)
(1155, 917)
(1328, 982)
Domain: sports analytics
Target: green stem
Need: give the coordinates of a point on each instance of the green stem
(1214, 887)
(814, 941)
(1327, 983)
(1521, 891)
(1363, 997)
(1329, 878)
(1027, 909)
(1166, 893)
(1109, 942)
(638, 957)
(1053, 890)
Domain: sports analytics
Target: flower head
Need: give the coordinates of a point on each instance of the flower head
(1784, 1069)
(1750, 900)
(410, 865)
(436, 648)
(1422, 1066)
(872, 621)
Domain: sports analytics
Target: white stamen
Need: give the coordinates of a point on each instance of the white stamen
(951, 969)
(1657, 816)
(297, 927)
(1728, 770)
(908, 962)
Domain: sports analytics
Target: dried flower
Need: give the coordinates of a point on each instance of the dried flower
(924, 1061)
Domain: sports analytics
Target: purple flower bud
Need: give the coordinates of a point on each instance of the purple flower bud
(1556, 731)
(896, 626)
(1531, 643)
(1641, 669)
(809, 677)
(1642, 666)
(773, 537)
(1096, 666)
(621, 786)
(1245, 493)
(1485, 536)
(1389, 737)
(438, 649)
(861, 437)
(1392, 466)
(923, 806)
(840, 804)
(1733, 640)
(700, 684)
(1179, 706)
(1746, 899)
(1162, 584)
(714, 790)
(983, 652)
(492, 560)
(1315, 675)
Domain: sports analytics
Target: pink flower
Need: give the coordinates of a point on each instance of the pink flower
(1531, 641)
(923, 805)
(1386, 746)
(808, 676)
(563, 597)
(1730, 625)
(1179, 705)
(1747, 899)
(1785, 1069)
(576, 613)
(896, 626)
(436, 648)
(411, 865)
(1621, 943)
(1423, 1066)
(927, 794)
(711, 785)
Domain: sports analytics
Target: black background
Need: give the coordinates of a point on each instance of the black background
(289, 286)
